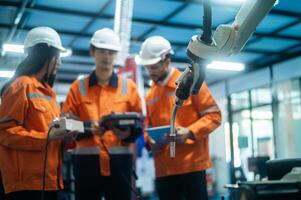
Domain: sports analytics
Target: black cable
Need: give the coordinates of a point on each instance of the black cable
(207, 22)
(45, 162)
(127, 181)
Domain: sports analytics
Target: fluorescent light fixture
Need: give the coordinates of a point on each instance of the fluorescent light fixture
(227, 66)
(18, 48)
(15, 48)
(229, 2)
(238, 1)
(6, 74)
(67, 53)
(81, 76)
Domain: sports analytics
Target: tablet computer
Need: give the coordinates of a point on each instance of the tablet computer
(159, 134)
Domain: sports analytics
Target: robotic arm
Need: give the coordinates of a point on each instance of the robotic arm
(231, 38)
(227, 39)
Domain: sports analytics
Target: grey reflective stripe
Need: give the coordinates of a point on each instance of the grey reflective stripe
(170, 94)
(120, 150)
(208, 110)
(94, 150)
(7, 120)
(152, 101)
(37, 95)
(82, 87)
(124, 87)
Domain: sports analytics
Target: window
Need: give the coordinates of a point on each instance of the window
(289, 119)
(240, 100)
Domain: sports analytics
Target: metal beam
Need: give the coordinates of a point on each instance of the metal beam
(281, 56)
(173, 13)
(92, 20)
(10, 3)
(252, 66)
(286, 13)
(17, 20)
(137, 20)
(155, 23)
(220, 4)
(275, 33)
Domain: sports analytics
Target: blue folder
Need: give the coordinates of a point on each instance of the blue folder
(159, 134)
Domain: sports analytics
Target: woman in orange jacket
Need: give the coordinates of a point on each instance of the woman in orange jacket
(28, 107)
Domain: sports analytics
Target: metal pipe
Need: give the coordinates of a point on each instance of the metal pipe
(172, 135)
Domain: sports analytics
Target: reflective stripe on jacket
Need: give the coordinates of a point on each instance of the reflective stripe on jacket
(90, 101)
(26, 110)
(200, 114)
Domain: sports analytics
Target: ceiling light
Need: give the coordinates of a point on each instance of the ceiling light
(6, 74)
(81, 76)
(18, 48)
(15, 48)
(227, 66)
(229, 2)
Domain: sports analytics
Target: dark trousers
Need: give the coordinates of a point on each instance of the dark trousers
(32, 195)
(190, 186)
(89, 184)
(2, 193)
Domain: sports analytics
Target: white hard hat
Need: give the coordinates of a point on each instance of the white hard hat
(106, 39)
(153, 50)
(43, 35)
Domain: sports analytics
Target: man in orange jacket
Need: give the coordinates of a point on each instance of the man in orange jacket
(89, 99)
(28, 106)
(183, 176)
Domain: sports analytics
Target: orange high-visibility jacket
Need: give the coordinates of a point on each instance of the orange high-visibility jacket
(90, 101)
(200, 114)
(26, 110)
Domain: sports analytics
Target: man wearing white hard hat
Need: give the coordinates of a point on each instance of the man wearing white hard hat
(89, 99)
(28, 107)
(182, 177)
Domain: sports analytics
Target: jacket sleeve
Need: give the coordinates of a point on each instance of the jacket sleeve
(71, 102)
(147, 124)
(13, 113)
(208, 112)
(135, 105)
(135, 99)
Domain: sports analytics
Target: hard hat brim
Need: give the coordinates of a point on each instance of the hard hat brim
(62, 49)
(141, 61)
(105, 46)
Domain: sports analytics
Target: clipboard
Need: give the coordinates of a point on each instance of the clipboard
(159, 134)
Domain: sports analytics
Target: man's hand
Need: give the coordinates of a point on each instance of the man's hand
(182, 134)
(156, 147)
(70, 115)
(121, 134)
(96, 129)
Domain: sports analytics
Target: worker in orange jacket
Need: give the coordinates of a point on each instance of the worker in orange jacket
(28, 106)
(89, 99)
(185, 175)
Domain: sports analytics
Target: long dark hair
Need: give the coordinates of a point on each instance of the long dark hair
(36, 59)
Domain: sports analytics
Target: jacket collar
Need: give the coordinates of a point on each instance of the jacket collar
(170, 80)
(113, 82)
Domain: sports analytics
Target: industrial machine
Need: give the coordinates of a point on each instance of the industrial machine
(227, 39)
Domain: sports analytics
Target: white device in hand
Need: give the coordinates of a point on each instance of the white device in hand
(63, 127)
